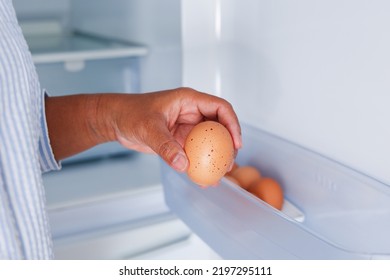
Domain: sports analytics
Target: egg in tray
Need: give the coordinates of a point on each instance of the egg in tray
(237, 224)
(210, 150)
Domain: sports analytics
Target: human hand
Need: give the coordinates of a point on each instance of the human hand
(159, 122)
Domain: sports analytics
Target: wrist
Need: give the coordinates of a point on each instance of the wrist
(101, 119)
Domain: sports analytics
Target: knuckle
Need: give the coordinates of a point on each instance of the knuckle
(185, 91)
(165, 149)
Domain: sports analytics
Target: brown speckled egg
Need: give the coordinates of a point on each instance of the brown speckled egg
(210, 151)
(269, 191)
(234, 167)
(246, 175)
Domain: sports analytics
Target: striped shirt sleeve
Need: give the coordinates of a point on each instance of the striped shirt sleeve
(46, 155)
(24, 148)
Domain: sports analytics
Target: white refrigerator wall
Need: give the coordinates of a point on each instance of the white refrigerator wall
(314, 72)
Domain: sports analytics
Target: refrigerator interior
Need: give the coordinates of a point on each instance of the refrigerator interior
(314, 74)
(107, 202)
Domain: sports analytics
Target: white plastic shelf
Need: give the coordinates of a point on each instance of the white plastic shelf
(342, 213)
(74, 46)
(104, 193)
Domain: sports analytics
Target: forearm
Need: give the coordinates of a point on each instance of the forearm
(155, 122)
(74, 123)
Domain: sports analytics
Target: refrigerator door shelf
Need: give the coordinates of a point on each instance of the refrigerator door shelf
(342, 214)
(288, 209)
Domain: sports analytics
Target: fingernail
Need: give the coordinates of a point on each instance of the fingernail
(231, 166)
(239, 143)
(179, 163)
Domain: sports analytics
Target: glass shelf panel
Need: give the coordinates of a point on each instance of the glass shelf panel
(60, 47)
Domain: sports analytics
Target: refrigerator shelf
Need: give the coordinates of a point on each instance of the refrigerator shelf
(343, 214)
(77, 47)
(102, 193)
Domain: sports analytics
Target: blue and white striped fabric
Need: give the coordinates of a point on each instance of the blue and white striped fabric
(25, 151)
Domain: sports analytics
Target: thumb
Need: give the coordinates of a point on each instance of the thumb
(165, 145)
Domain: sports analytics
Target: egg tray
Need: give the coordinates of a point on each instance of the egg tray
(330, 211)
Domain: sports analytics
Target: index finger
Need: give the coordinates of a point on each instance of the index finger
(216, 108)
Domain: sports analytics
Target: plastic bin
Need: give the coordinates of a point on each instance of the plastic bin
(346, 214)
